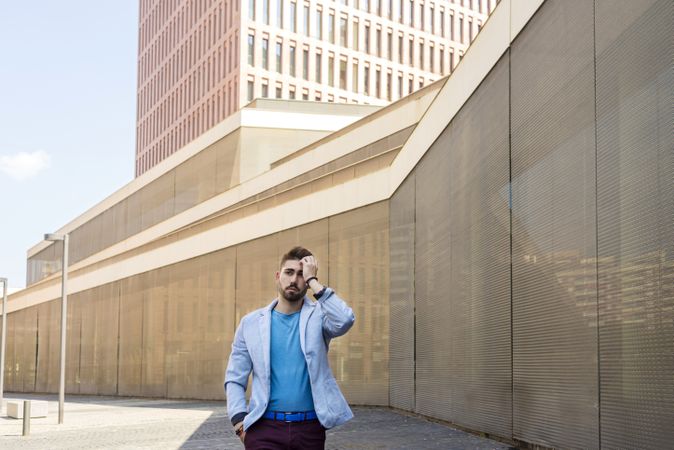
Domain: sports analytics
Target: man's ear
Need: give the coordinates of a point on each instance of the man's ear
(278, 275)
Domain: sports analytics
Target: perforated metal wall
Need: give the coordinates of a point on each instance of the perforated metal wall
(555, 371)
(401, 347)
(635, 201)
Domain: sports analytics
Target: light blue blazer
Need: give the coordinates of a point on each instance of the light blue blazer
(320, 321)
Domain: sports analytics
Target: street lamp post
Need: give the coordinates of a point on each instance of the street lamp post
(64, 311)
(4, 335)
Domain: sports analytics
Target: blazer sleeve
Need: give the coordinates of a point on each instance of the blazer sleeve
(338, 317)
(236, 376)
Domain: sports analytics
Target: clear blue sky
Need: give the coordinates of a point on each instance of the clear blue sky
(67, 115)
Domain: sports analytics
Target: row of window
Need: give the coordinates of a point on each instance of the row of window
(202, 76)
(161, 110)
(312, 22)
(366, 80)
(210, 112)
(288, 58)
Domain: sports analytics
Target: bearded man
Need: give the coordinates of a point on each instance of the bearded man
(294, 397)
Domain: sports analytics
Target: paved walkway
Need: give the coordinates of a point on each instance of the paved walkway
(130, 423)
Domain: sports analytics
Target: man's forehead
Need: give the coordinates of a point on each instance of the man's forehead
(292, 264)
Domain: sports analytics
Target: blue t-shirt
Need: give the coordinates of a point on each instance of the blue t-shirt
(290, 387)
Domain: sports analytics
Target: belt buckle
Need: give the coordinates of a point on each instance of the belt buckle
(285, 417)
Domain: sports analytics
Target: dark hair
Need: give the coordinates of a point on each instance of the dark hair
(295, 253)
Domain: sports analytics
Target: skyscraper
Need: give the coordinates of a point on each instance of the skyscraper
(200, 61)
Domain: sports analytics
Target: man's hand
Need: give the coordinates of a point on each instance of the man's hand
(241, 434)
(309, 267)
(309, 270)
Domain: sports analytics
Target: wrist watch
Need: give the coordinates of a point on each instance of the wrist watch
(239, 430)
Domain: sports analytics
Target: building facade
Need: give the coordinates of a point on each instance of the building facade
(200, 61)
(504, 236)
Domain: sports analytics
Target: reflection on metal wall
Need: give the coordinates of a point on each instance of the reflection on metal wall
(432, 283)
(479, 270)
(401, 348)
(358, 266)
(635, 188)
(462, 265)
(168, 332)
(553, 227)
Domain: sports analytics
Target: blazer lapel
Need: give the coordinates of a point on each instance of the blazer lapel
(265, 337)
(306, 311)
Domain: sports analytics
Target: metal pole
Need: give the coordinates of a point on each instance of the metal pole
(64, 315)
(26, 417)
(2, 345)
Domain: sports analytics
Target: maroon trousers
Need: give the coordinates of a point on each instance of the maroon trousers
(276, 435)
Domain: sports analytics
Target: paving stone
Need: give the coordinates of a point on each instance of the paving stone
(93, 422)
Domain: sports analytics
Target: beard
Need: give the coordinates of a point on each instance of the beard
(293, 295)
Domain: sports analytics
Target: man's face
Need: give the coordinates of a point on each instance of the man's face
(290, 281)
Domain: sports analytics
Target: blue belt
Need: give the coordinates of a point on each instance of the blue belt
(290, 416)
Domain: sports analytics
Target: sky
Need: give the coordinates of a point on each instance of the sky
(67, 115)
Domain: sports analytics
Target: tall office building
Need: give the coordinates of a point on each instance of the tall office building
(200, 61)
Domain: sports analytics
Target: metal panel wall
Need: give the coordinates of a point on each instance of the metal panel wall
(359, 273)
(479, 269)
(131, 299)
(635, 190)
(432, 283)
(48, 349)
(401, 339)
(555, 374)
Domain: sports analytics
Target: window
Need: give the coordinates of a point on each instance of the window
(265, 11)
(451, 27)
(342, 73)
(411, 13)
(319, 62)
(279, 48)
(461, 29)
(354, 34)
(292, 57)
(265, 54)
(305, 64)
(331, 28)
(389, 43)
(400, 86)
(342, 32)
(279, 13)
(251, 50)
(390, 10)
(292, 93)
(400, 48)
(366, 80)
(354, 76)
(431, 59)
(279, 92)
(442, 22)
(265, 90)
(367, 38)
(410, 48)
(441, 56)
(470, 31)
(400, 10)
(431, 13)
(422, 16)
(377, 82)
(306, 20)
(293, 17)
(389, 86)
(331, 70)
(251, 9)
(376, 4)
(421, 55)
(451, 61)
(410, 85)
(365, 4)
(379, 43)
(251, 88)
(318, 28)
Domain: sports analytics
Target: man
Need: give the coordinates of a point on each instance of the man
(294, 397)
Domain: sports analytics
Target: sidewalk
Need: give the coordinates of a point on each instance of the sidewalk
(128, 423)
